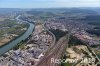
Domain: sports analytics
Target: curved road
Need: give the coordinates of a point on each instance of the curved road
(56, 51)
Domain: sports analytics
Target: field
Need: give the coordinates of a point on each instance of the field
(10, 29)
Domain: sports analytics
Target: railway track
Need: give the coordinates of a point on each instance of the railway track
(55, 52)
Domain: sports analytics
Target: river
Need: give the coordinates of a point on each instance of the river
(10, 45)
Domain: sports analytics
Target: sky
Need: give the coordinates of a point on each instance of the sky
(48, 3)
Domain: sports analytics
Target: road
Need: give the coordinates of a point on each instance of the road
(55, 52)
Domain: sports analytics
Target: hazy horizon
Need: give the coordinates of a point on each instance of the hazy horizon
(48, 3)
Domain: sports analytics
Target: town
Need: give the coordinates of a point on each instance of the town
(44, 34)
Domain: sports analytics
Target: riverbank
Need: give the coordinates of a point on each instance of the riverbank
(31, 50)
(13, 37)
(17, 40)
